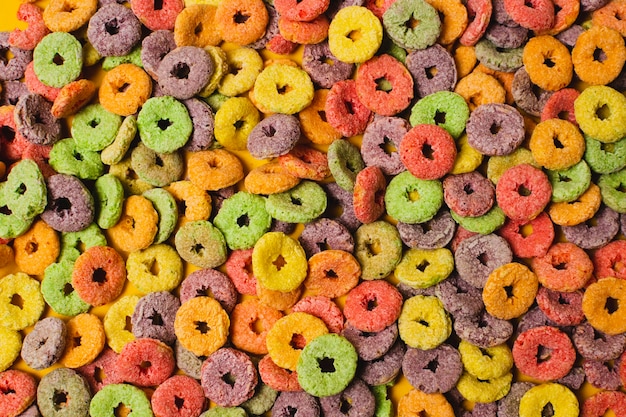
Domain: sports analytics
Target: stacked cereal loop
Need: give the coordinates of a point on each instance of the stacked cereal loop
(313, 208)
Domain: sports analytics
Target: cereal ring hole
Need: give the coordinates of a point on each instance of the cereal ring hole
(229, 379)
(17, 301)
(374, 247)
(156, 319)
(181, 71)
(68, 289)
(61, 204)
(603, 112)
(58, 59)
(179, 402)
(99, 276)
(121, 411)
(202, 327)
(599, 55)
(158, 4)
(59, 399)
(440, 118)
(543, 354)
(7, 133)
(164, 124)
(297, 341)
(128, 326)
(240, 17)
(611, 305)
(77, 341)
(327, 365)
(279, 262)
(523, 191)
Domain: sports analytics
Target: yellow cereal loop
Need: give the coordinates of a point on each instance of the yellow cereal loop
(465, 60)
(467, 159)
(245, 66)
(193, 202)
(220, 68)
(84, 341)
(486, 363)
(355, 34)
(279, 262)
(510, 290)
(557, 144)
(422, 268)
(562, 399)
(195, 26)
(416, 403)
(289, 335)
(21, 302)
(36, 249)
(156, 268)
(116, 322)
(454, 19)
(283, 89)
(601, 113)
(577, 211)
(234, 121)
(479, 88)
(10, 347)
(424, 323)
(496, 165)
(484, 391)
(201, 325)
(137, 226)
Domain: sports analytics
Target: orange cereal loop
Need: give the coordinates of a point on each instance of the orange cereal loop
(72, 97)
(548, 62)
(99, 275)
(557, 144)
(505, 79)
(465, 60)
(201, 325)
(241, 21)
(214, 169)
(193, 202)
(36, 249)
(271, 178)
(304, 33)
(68, 15)
(249, 323)
(479, 88)
(279, 300)
(510, 290)
(592, 70)
(577, 211)
(313, 121)
(195, 26)
(454, 19)
(612, 15)
(6, 255)
(84, 341)
(307, 163)
(602, 313)
(137, 226)
(125, 89)
(417, 403)
(332, 273)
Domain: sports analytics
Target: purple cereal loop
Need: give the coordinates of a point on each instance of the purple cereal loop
(12, 91)
(70, 205)
(524, 94)
(507, 37)
(283, 227)
(270, 31)
(533, 318)
(203, 124)
(222, 367)
(384, 369)
(434, 370)
(295, 404)
(274, 136)
(370, 346)
(602, 375)
(218, 197)
(622, 220)
(384, 132)
(323, 74)
(114, 30)
(574, 379)
(595, 345)
(495, 129)
(509, 405)
(469, 194)
(592, 5)
(499, 14)
(187, 361)
(34, 120)
(154, 317)
(325, 233)
(154, 48)
(338, 197)
(436, 233)
(589, 236)
(45, 345)
(14, 68)
(407, 291)
(459, 297)
(209, 282)
(477, 256)
(570, 35)
(184, 72)
(359, 397)
(483, 330)
(433, 69)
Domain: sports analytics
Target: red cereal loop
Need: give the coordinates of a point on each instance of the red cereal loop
(565, 267)
(239, 270)
(479, 11)
(12, 143)
(459, 236)
(428, 151)
(529, 239)
(277, 378)
(37, 29)
(167, 398)
(145, 362)
(544, 353)
(302, 10)
(161, 18)
(610, 260)
(560, 105)
(373, 305)
(598, 404)
(306, 163)
(369, 194)
(99, 275)
(344, 111)
(379, 7)
(36, 86)
(323, 308)
(17, 392)
(249, 323)
(386, 100)
(280, 45)
(523, 191)
(535, 15)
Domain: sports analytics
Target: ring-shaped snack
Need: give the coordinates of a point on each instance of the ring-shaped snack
(424, 323)
(137, 226)
(250, 321)
(283, 89)
(59, 385)
(313, 125)
(369, 194)
(243, 219)
(599, 71)
(603, 305)
(416, 402)
(234, 121)
(84, 342)
(556, 144)
(271, 178)
(158, 16)
(164, 124)
(529, 359)
(548, 63)
(523, 192)
(241, 21)
(424, 268)
(412, 24)
(562, 400)
(201, 244)
(378, 248)
(115, 321)
(201, 325)
(162, 258)
(484, 391)
(428, 151)
(113, 396)
(279, 262)
(36, 249)
(332, 273)
(193, 26)
(577, 211)
(372, 306)
(601, 113)
(124, 89)
(21, 302)
(99, 275)
(565, 267)
(510, 291)
(44, 59)
(349, 20)
(68, 15)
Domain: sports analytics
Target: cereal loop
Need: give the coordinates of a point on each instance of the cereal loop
(604, 305)
(84, 341)
(194, 24)
(241, 21)
(355, 34)
(548, 63)
(157, 15)
(99, 275)
(137, 226)
(201, 325)
(599, 71)
(214, 169)
(68, 15)
(510, 291)
(36, 249)
(279, 262)
(124, 89)
(416, 403)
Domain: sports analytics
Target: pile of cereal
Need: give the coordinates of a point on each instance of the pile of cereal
(305, 208)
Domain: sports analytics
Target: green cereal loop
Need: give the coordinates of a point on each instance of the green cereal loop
(412, 200)
(423, 35)
(165, 205)
(487, 391)
(331, 348)
(382, 238)
(73, 242)
(243, 219)
(164, 124)
(115, 152)
(486, 363)
(25, 191)
(452, 105)
(262, 400)
(496, 165)
(133, 57)
(58, 292)
(395, 51)
(384, 406)
(170, 268)
(72, 385)
(611, 188)
(485, 224)
(15, 317)
(421, 268)
(104, 403)
(66, 158)
(109, 196)
(58, 59)
(225, 412)
(605, 158)
(344, 162)
(234, 121)
(11, 225)
(569, 184)
(301, 204)
(564, 401)
(128, 177)
(201, 244)
(498, 59)
(94, 127)
(354, 19)
(216, 100)
(158, 169)
(220, 68)
(423, 322)
(272, 80)
(601, 113)
(249, 64)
